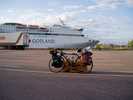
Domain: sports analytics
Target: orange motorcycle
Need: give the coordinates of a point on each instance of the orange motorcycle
(70, 62)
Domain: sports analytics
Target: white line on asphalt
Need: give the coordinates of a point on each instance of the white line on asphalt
(23, 70)
(63, 74)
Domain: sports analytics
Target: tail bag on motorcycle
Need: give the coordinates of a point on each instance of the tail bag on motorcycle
(86, 58)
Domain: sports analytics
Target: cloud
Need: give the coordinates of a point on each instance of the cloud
(54, 19)
(110, 27)
(71, 15)
(36, 17)
(130, 2)
(22, 16)
(50, 10)
(110, 4)
(72, 7)
(99, 5)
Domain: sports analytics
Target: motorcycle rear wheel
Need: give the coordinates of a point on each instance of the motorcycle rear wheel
(55, 69)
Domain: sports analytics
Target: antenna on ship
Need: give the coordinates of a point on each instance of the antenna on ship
(61, 21)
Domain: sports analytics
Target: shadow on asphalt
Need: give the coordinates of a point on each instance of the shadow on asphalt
(112, 73)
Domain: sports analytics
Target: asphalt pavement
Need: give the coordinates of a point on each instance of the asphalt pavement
(24, 75)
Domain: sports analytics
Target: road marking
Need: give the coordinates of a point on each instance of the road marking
(23, 70)
(64, 74)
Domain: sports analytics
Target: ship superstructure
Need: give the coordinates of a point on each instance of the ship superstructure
(34, 36)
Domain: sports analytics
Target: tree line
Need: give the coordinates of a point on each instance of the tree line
(128, 46)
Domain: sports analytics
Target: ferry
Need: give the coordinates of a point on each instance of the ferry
(17, 35)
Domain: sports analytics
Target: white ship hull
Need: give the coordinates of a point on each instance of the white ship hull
(59, 41)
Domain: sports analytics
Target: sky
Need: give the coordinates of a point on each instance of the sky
(110, 21)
